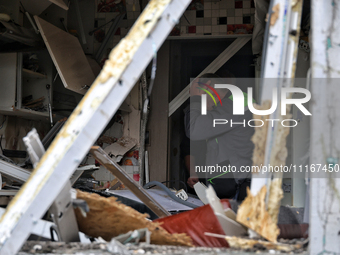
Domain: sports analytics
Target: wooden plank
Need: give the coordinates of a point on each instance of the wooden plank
(68, 57)
(221, 59)
(135, 188)
(121, 71)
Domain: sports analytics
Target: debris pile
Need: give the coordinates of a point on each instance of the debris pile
(108, 218)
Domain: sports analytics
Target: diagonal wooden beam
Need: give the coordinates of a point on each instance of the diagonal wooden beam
(232, 49)
(126, 63)
(135, 188)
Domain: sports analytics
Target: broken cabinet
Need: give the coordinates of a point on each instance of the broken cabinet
(25, 84)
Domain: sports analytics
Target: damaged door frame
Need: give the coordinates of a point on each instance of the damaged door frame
(219, 61)
(121, 71)
(279, 61)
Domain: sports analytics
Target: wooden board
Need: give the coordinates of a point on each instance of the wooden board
(68, 57)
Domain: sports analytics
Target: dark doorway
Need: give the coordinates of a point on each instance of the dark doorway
(188, 58)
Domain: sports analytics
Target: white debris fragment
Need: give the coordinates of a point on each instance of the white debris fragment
(37, 247)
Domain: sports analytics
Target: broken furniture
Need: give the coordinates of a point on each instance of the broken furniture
(14, 37)
(61, 210)
(152, 201)
(68, 57)
(65, 50)
(141, 194)
(117, 171)
(19, 81)
(20, 174)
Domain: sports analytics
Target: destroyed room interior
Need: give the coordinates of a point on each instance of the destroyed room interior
(169, 127)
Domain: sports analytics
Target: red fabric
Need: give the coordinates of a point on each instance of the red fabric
(195, 222)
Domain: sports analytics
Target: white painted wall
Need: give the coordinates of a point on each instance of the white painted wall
(325, 140)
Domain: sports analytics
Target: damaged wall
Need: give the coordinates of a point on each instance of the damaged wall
(325, 140)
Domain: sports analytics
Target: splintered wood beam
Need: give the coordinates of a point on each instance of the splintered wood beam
(279, 66)
(227, 54)
(135, 188)
(125, 65)
(252, 213)
(290, 12)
